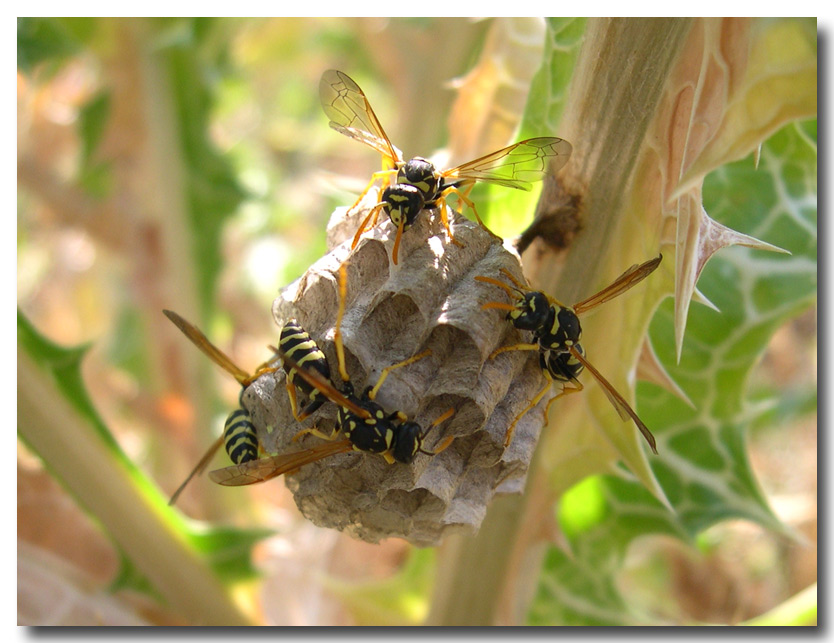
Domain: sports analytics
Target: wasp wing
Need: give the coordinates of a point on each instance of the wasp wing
(202, 464)
(628, 279)
(623, 408)
(202, 342)
(315, 379)
(350, 113)
(516, 166)
(264, 469)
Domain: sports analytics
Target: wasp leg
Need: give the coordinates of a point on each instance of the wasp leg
(444, 219)
(511, 429)
(293, 400)
(263, 369)
(514, 347)
(314, 431)
(382, 174)
(444, 444)
(387, 370)
(566, 390)
(464, 198)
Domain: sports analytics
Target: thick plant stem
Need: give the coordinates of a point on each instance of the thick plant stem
(617, 86)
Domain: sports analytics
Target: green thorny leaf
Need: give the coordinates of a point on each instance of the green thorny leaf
(94, 175)
(48, 40)
(703, 468)
(56, 372)
(192, 62)
(627, 180)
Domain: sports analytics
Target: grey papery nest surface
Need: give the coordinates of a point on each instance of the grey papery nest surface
(429, 300)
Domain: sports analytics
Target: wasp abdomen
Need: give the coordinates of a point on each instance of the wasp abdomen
(297, 343)
(563, 367)
(240, 437)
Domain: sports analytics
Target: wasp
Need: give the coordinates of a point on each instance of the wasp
(239, 436)
(416, 184)
(556, 333)
(365, 425)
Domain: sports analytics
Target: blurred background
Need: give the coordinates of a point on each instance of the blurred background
(187, 164)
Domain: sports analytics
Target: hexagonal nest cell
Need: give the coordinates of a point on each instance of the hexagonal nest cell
(430, 300)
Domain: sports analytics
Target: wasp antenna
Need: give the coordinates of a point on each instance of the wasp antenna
(399, 236)
(520, 286)
(374, 212)
(512, 292)
(497, 304)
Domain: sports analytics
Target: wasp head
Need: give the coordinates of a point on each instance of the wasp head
(403, 202)
(532, 312)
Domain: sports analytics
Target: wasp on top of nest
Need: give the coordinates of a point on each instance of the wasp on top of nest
(416, 184)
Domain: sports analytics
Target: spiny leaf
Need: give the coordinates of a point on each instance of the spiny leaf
(703, 467)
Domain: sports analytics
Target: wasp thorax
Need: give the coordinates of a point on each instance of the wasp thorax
(420, 173)
(567, 330)
(427, 302)
(403, 203)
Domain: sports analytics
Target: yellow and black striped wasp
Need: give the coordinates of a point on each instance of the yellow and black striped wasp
(556, 333)
(416, 184)
(365, 425)
(239, 435)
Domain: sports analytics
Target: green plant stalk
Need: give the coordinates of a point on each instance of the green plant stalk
(488, 579)
(77, 455)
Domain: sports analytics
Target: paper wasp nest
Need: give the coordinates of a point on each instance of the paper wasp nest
(429, 300)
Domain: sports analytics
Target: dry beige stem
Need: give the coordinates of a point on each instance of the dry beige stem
(429, 300)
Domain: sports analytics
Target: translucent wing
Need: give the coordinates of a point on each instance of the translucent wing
(516, 166)
(202, 464)
(350, 113)
(628, 279)
(623, 408)
(315, 379)
(264, 469)
(202, 342)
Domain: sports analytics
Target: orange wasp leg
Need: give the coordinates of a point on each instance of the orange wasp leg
(387, 370)
(464, 198)
(514, 347)
(382, 174)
